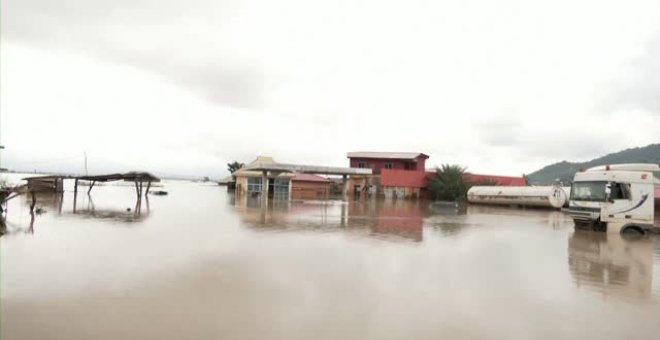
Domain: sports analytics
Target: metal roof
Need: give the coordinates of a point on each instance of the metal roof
(387, 155)
(128, 176)
(133, 176)
(310, 169)
(245, 171)
(47, 177)
(310, 178)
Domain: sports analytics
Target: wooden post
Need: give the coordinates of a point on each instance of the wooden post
(137, 189)
(31, 228)
(344, 190)
(343, 215)
(148, 187)
(60, 202)
(34, 200)
(75, 195)
(139, 200)
(90, 187)
(136, 211)
(264, 185)
(264, 208)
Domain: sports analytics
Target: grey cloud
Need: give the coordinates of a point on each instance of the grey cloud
(501, 131)
(640, 89)
(576, 148)
(153, 40)
(526, 142)
(224, 80)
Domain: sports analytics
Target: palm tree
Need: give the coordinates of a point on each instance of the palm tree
(234, 166)
(449, 183)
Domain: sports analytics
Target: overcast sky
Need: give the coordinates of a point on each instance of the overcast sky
(183, 87)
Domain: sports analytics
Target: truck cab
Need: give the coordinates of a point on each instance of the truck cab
(615, 198)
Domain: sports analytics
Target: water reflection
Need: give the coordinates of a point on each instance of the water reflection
(37, 204)
(382, 219)
(46, 204)
(398, 218)
(49, 202)
(611, 265)
(89, 210)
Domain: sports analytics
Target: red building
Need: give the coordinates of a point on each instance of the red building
(377, 161)
(395, 174)
(404, 175)
(403, 183)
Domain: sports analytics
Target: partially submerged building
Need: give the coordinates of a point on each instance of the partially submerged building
(370, 174)
(288, 180)
(250, 182)
(395, 174)
(404, 184)
(404, 175)
(377, 161)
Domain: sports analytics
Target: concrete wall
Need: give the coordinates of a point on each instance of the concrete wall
(361, 181)
(310, 190)
(402, 192)
(241, 185)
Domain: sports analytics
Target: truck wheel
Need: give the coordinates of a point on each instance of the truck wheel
(633, 230)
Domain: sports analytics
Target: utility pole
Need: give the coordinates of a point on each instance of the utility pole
(86, 173)
(2, 147)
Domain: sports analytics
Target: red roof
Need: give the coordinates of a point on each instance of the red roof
(299, 177)
(387, 155)
(402, 178)
(500, 180)
(418, 179)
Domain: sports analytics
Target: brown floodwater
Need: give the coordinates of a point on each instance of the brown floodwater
(202, 264)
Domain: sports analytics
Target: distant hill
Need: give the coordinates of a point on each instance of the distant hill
(564, 171)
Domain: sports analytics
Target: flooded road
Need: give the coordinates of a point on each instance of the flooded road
(202, 264)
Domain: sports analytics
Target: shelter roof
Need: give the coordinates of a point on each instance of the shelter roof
(310, 178)
(133, 176)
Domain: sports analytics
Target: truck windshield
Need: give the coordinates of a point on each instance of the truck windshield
(588, 191)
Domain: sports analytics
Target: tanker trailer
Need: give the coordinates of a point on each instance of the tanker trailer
(533, 196)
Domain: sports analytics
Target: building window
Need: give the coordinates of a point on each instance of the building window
(254, 185)
(387, 166)
(361, 165)
(281, 188)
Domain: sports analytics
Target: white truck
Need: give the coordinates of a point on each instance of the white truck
(618, 198)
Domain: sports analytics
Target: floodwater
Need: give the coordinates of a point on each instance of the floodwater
(201, 264)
